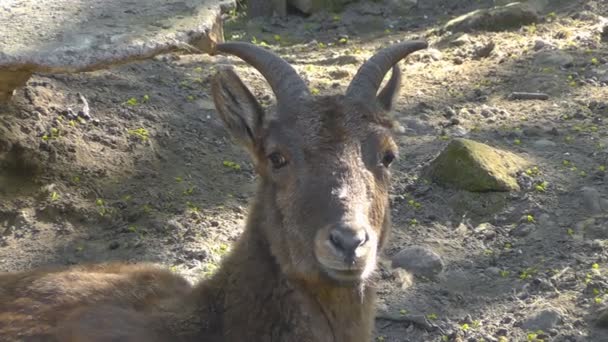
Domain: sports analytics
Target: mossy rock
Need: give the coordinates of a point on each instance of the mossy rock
(469, 165)
(498, 18)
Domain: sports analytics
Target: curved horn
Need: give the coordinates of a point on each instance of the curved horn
(283, 79)
(366, 82)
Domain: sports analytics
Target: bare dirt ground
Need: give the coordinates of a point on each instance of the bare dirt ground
(152, 176)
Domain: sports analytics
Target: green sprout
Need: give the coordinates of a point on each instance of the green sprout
(54, 196)
(231, 165)
(140, 133)
(542, 187)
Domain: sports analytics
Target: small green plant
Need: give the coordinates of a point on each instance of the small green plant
(527, 273)
(179, 179)
(54, 196)
(570, 232)
(314, 91)
(465, 327)
(343, 40)
(541, 187)
(414, 204)
(432, 316)
(231, 165)
(533, 336)
(517, 142)
(504, 273)
(277, 38)
(508, 246)
(533, 171)
(403, 312)
(102, 209)
(530, 218)
(601, 168)
(189, 191)
(140, 133)
(595, 266)
(132, 229)
(192, 207)
(132, 102)
(594, 61)
(198, 69)
(413, 222)
(54, 134)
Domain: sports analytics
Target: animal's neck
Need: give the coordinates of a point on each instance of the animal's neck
(256, 299)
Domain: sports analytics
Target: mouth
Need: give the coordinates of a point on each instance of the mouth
(343, 275)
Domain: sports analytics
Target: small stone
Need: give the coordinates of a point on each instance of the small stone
(449, 113)
(523, 230)
(593, 201)
(485, 50)
(544, 320)
(602, 320)
(553, 58)
(543, 143)
(214, 223)
(539, 44)
(419, 260)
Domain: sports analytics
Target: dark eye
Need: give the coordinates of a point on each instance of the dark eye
(277, 160)
(388, 158)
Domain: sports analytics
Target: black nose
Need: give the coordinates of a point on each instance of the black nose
(347, 240)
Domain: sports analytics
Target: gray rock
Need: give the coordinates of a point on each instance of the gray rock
(419, 260)
(602, 318)
(544, 320)
(593, 201)
(469, 165)
(99, 34)
(553, 58)
(523, 230)
(540, 44)
(498, 18)
(543, 143)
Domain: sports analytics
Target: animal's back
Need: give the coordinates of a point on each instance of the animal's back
(40, 305)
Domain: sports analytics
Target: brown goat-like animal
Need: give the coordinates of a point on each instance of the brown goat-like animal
(300, 271)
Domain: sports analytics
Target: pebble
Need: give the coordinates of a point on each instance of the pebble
(543, 143)
(602, 319)
(544, 320)
(523, 230)
(419, 260)
(593, 201)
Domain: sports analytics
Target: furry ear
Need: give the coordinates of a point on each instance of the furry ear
(241, 113)
(390, 92)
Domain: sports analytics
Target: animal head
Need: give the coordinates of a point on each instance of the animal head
(324, 161)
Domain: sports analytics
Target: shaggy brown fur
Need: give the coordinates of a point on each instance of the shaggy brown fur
(288, 279)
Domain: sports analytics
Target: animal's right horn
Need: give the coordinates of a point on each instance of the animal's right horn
(285, 82)
(366, 82)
